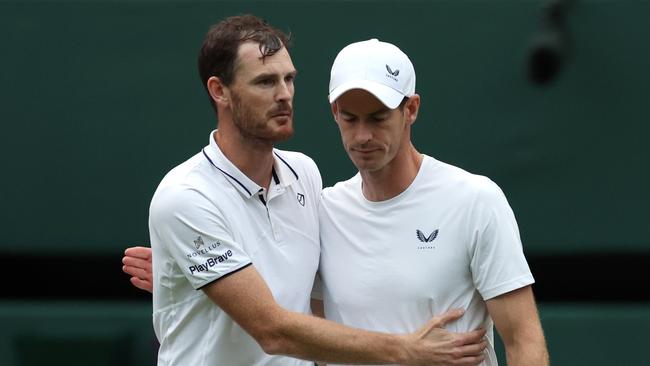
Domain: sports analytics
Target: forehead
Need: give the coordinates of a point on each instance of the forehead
(361, 102)
(250, 62)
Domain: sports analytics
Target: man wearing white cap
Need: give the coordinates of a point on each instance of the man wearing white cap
(410, 236)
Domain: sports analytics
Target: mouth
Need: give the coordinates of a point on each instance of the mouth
(282, 113)
(364, 151)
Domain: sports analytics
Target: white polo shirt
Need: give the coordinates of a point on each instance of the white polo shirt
(448, 241)
(208, 220)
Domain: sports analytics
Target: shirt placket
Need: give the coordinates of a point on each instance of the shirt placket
(266, 198)
(275, 191)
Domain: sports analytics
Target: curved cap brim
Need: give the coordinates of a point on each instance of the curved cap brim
(390, 97)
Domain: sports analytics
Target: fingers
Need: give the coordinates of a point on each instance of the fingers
(138, 252)
(136, 266)
(465, 355)
(137, 272)
(440, 321)
(449, 316)
(475, 349)
(467, 338)
(137, 262)
(470, 360)
(142, 285)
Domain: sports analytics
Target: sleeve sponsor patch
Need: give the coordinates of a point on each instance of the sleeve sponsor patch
(210, 262)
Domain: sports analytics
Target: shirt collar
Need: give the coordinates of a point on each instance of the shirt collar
(283, 172)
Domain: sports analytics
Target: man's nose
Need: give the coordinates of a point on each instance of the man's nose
(284, 92)
(363, 133)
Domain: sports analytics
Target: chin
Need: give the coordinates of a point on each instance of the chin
(364, 165)
(283, 134)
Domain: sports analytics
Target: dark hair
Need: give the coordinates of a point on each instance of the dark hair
(218, 53)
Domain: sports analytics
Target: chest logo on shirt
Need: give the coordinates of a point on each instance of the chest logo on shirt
(301, 199)
(427, 239)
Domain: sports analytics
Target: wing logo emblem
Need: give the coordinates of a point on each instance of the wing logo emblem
(390, 71)
(426, 239)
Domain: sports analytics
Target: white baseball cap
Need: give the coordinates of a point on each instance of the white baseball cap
(378, 67)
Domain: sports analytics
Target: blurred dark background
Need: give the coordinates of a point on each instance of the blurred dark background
(99, 99)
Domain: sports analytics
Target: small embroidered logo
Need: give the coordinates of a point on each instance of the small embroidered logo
(301, 199)
(426, 239)
(390, 71)
(198, 242)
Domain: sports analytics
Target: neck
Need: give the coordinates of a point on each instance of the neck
(394, 178)
(253, 158)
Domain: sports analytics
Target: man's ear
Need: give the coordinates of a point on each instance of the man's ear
(335, 110)
(220, 93)
(411, 108)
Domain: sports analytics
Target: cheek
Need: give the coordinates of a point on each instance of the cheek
(396, 139)
(255, 100)
(389, 138)
(345, 137)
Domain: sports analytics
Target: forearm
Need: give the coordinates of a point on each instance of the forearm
(312, 338)
(528, 352)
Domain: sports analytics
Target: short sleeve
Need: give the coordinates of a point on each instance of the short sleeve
(498, 263)
(191, 229)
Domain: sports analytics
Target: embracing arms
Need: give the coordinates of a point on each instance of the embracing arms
(247, 299)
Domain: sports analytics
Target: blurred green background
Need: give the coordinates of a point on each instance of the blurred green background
(99, 99)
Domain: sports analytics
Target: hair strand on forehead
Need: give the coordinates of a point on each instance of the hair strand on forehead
(269, 44)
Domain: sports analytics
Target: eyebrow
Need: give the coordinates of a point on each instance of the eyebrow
(273, 75)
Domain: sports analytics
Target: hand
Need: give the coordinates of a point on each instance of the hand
(137, 263)
(434, 345)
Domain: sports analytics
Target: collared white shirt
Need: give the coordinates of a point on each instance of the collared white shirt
(208, 220)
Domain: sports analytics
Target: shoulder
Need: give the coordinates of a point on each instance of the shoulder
(184, 189)
(460, 180)
(343, 189)
(481, 195)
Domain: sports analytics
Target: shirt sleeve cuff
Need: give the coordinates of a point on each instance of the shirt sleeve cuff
(511, 285)
(232, 271)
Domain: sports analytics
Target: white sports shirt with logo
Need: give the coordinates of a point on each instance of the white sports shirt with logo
(208, 220)
(449, 241)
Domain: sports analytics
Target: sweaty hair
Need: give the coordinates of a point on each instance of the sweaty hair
(218, 54)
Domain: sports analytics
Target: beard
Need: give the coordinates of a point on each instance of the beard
(255, 127)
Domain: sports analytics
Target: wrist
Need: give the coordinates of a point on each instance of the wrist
(405, 349)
